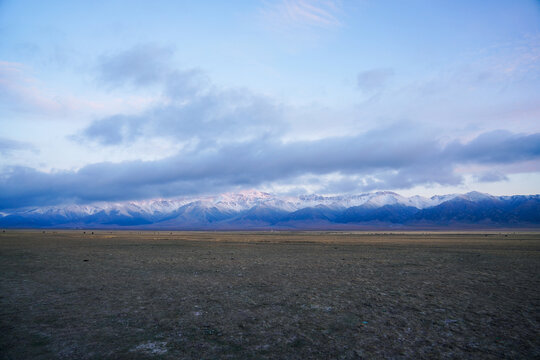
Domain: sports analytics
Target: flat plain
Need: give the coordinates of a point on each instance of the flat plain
(269, 295)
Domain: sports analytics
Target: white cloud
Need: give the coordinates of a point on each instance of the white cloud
(318, 13)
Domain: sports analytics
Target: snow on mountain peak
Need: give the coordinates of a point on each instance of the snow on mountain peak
(245, 200)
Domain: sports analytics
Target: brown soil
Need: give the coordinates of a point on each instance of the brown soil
(189, 295)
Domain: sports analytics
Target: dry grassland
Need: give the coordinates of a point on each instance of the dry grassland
(281, 295)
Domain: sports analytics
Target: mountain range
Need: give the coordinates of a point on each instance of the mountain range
(254, 210)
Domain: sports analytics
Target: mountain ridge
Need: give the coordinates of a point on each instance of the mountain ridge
(251, 210)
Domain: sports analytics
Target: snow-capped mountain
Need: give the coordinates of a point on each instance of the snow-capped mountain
(376, 199)
(260, 210)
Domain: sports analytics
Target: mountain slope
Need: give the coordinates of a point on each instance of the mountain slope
(258, 210)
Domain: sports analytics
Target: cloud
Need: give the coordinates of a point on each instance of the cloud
(141, 65)
(521, 58)
(111, 130)
(374, 79)
(491, 176)
(20, 92)
(219, 115)
(497, 147)
(8, 146)
(399, 159)
(316, 13)
(191, 107)
(148, 65)
(236, 141)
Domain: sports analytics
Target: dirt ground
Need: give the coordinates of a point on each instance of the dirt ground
(273, 295)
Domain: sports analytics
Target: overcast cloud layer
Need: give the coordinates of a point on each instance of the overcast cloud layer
(310, 104)
(390, 162)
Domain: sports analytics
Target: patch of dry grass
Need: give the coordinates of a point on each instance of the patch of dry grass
(169, 295)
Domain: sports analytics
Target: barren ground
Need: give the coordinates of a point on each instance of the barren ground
(189, 295)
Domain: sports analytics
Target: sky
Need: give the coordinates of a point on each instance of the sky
(128, 100)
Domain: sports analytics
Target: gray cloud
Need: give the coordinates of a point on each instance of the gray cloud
(112, 130)
(375, 79)
(491, 176)
(193, 108)
(141, 65)
(497, 147)
(224, 115)
(148, 65)
(396, 160)
(8, 146)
